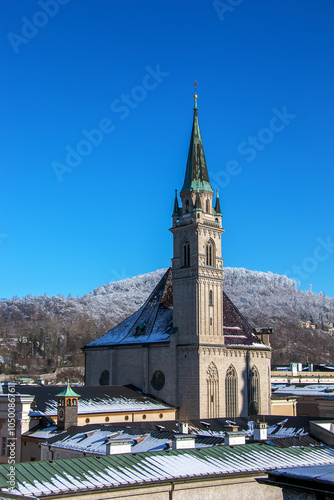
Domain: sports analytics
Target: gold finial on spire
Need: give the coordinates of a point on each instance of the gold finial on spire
(195, 96)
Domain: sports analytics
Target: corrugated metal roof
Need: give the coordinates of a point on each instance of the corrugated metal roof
(95, 473)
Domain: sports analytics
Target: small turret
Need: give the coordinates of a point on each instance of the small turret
(67, 414)
(198, 204)
(217, 206)
(176, 209)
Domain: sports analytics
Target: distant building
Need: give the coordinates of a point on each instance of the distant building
(307, 324)
(188, 344)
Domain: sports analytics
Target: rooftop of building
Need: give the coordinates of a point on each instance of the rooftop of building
(150, 436)
(98, 473)
(306, 479)
(93, 399)
(302, 390)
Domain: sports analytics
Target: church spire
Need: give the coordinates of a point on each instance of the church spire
(197, 177)
(176, 209)
(217, 207)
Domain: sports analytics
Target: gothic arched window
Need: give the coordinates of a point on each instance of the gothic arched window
(186, 253)
(207, 206)
(231, 394)
(210, 298)
(254, 391)
(210, 253)
(212, 381)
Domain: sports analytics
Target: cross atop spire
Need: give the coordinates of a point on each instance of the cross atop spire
(197, 176)
(195, 96)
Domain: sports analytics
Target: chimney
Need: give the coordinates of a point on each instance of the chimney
(294, 368)
(310, 367)
(183, 441)
(184, 428)
(231, 428)
(233, 436)
(116, 446)
(260, 431)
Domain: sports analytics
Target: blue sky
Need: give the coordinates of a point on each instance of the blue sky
(81, 207)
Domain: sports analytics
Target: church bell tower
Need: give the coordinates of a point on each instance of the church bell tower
(197, 270)
(197, 262)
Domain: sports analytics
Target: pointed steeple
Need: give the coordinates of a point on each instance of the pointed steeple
(217, 207)
(176, 210)
(197, 176)
(198, 204)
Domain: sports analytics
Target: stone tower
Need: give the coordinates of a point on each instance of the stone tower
(197, 268)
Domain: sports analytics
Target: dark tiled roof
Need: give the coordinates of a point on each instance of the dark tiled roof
(294, 441)
(153, 322)
(93, 396)
(237, 330)
(279, 427)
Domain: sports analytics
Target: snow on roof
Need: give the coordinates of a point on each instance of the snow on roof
(110, 405)
(95, 473)
(153, 322)
(94, 438)
(303, 390)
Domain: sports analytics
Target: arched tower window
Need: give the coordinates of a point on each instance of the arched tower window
(104, 379)
(231, 394)
(212, 381)
(210, 298)
(207, 206)
(187, 206)
(210, 253)
(254, 391)
(186, 253)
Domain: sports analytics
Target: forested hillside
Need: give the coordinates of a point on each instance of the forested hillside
(41, 333)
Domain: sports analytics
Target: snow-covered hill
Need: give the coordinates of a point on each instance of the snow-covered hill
(265, 299)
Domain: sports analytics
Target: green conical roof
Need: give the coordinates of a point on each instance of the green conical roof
(68, 392)
(197, 177)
